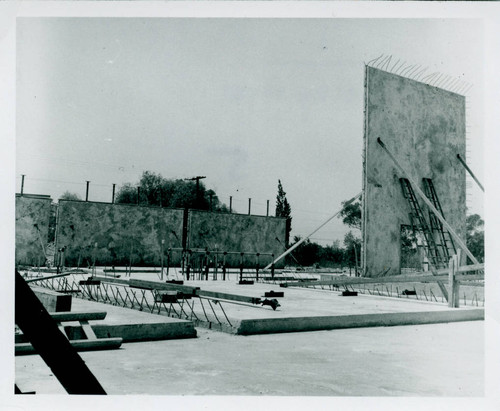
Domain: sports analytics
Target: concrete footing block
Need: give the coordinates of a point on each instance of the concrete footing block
(296, 324)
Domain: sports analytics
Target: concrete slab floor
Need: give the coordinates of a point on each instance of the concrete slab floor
(303, 302)
(424, 360)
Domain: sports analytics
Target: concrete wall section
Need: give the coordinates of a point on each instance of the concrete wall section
(237, 232)
(424, 128)
(30, 241)
(120, 231)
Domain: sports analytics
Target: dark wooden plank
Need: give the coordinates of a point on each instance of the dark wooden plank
(79, 345)
(156, 285)
(110, 280)
(194, 291)
(52, 345)
(78, 316)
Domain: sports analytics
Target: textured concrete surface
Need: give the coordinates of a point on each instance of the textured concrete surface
(31, 211)
(237, 232)
(123, 231)
(442, 360)
(424, 128)
(120, 231)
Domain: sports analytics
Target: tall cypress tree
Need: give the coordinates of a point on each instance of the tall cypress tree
(283, 209)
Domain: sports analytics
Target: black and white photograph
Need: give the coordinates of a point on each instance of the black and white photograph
(217, 208)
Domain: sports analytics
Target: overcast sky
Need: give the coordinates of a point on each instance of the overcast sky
(244, 102)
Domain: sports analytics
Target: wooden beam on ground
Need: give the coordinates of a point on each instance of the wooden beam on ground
(229, 297)
(453, 284)
(155, 285)
(50, 277)
(462, 269)
(194, 291)
(78, 316)
(110, 280)
(52, 345)
(383, 280)
(78, 345)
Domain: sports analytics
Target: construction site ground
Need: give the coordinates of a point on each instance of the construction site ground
(424, 360)
(443, 359)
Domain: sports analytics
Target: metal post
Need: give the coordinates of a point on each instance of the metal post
(87, 192)
(215, 266)
(62, 258)
(188, 266)
(130, 259)
(113, 195)
(230, 204)
(272, 266)
(267, 212)
(207, 265)
(168, 259)
(452, 282)
(249, 205)
(22, 183)
(257, 267)
(241, 266)
(224, 267)
(94, 258)
(162, 245)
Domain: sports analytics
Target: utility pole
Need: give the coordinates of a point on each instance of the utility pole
(197, 179)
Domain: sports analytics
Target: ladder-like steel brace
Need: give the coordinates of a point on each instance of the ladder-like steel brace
(419, 222)
(446, 241)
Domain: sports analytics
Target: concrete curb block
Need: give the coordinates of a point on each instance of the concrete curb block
(139, 332)
(296, 324)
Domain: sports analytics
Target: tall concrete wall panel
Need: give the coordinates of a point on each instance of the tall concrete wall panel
(424, 128)
(121, 232)
(237, 233)
(30, 241)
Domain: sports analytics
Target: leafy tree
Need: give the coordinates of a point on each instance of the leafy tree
(351, 214)
(283, 209)
(307, 253)
(475, 236)
(352, 245)
(70, 196)
(160, 191)
(127, 194)
(331, 255)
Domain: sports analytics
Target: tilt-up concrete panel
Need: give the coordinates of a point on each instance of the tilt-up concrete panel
(424, 128)
(123, 233)
(32, 229)
(237, 233)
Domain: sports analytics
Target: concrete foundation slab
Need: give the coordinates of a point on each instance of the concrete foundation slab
(311, 309)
